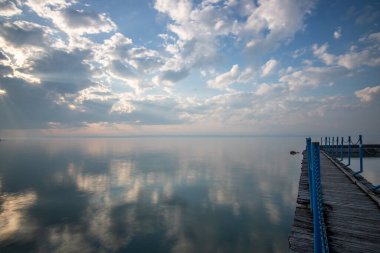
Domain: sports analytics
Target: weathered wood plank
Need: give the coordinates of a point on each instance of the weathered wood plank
(351, 210)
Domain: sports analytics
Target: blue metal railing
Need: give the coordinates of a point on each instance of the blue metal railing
(332, 150)
(316, 199)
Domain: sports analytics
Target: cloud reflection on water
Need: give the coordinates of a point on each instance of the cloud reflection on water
(162, 195)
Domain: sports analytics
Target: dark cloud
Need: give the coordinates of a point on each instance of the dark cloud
(5, 70)
(175, 75)
(85, 21)
(3, 56)
(21, 33)
(145, 60)
(365, 14)
(64, 72)
(75, 18)
(121, 70)
(8, 8)
(25, 105)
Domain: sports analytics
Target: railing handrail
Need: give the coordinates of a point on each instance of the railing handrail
(316, 199)
(330, 147)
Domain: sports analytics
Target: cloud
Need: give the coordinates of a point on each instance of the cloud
(64, 72)
(145, 60)
(268, 67)
(374, 36)
(200, 29)
(275, 21)
(234, 75)
(26, 106)
(367, 94)
(120, 59)
(338, 33)
(298, 52)
(176, 10)
(368, 56)
(310, 76)
(98, 92)
(3, 92)
(366, 14)
(23, 33)
(173, 75)
(22, 42)
(9, 8)
(265, 89)
(321, 53)
(71, 20)
(123, 105)
(353, 60)
(224, 80)
(83, 22)
(119, 70)
(3, 56)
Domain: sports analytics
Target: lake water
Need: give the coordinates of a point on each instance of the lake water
(148, 194)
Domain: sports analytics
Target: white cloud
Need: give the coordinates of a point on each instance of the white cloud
(9, 8)
(23, 42)
(310, 76)
(274, 21)
(369, 56)
(353, 60)
(99, 92)
(338, 33)
(196, 29)
(268, 67)
(298, 52)
(367, 94)
(374, 36)
(124, 104)
(321, 53)
(71, 20)
(3, 92)
(120, 59)
(263, 89)
(199, 28)
(234, 75)
(176, 10)
(224, 80)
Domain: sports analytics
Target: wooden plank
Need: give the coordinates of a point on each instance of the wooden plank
(351, 210)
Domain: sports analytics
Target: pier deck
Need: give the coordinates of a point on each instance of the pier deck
(351, 211)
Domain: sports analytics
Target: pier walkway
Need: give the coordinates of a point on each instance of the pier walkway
(351, 211)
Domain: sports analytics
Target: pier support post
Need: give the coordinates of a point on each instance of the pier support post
(361, 155)
(349, 151)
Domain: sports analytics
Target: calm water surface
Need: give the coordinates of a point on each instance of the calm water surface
(148, 194)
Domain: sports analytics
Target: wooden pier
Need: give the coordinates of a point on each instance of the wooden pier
(351, 211)
(369, 150)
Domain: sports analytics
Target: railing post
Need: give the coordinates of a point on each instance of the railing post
(316, 228)
(341, 150)
(336, 146)
(361, 155)
(320, 238)
(329, 146)
(309, 169)
(349, 151)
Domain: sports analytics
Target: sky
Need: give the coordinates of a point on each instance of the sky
(181, 67)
